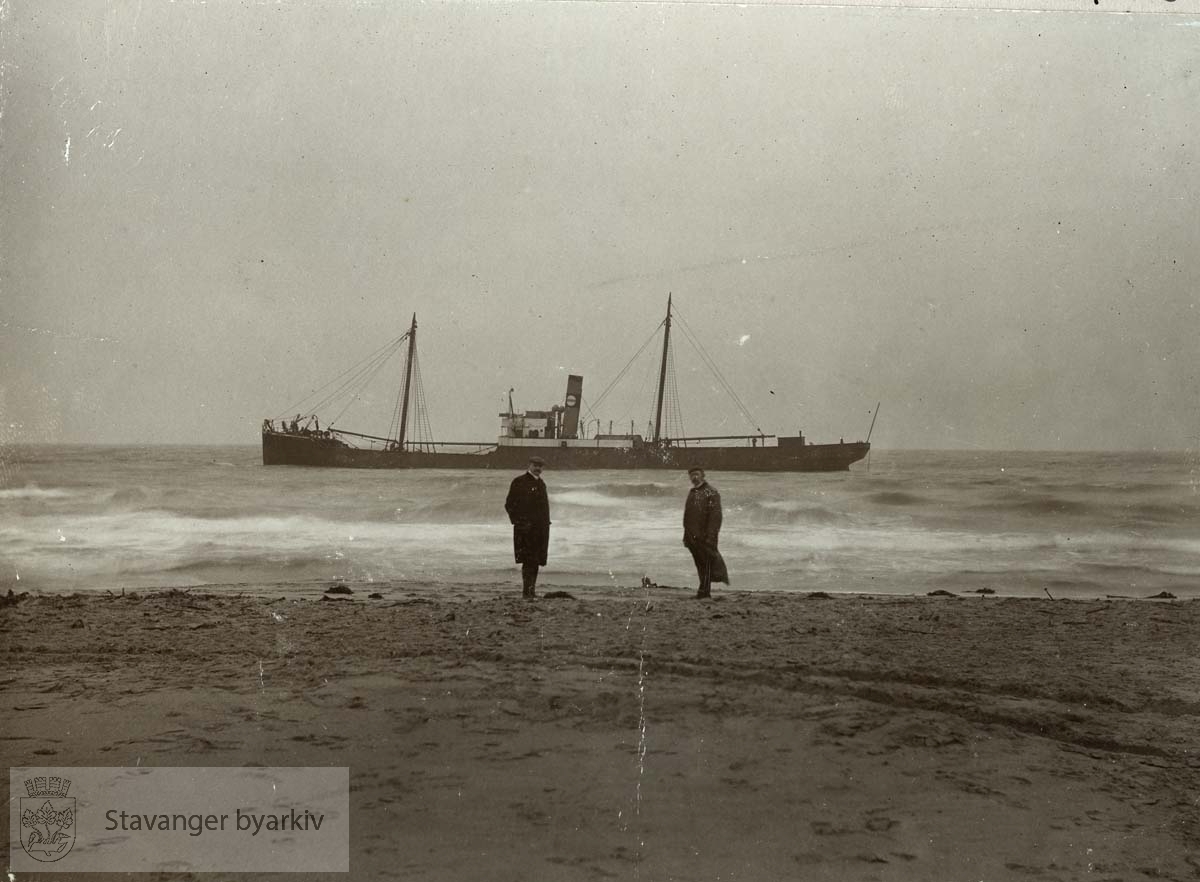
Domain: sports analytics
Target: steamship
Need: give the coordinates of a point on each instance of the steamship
(556, 435)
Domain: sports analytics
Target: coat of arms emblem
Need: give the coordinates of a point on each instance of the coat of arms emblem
(47, 818)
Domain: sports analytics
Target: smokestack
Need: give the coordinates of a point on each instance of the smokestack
(571, 414)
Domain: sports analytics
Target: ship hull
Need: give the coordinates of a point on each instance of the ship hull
(314, 451)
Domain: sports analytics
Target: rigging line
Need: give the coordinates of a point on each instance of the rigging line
(591, 418)
(678, 405)
(367, 378)
(360, 380)
(354, 387)
(652, 380)
(729, 390)
(665, 380)
(405, 381)
(352, 369)
(708, 360)
(366, 371)
(419, 435)
(586, 410)
(712, 365)
(629, 363)
(423, 424)
(675, 409)
(360, 370)
(424, 427)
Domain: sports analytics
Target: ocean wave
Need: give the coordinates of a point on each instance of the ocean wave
(1163, 513)
(881, 540)
(587, 499)
(35, 492)
(128, 497)
(625, 491)
(786, 513)
(895, 497)
(1039, 506)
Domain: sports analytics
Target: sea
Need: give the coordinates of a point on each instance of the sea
(1079, 525)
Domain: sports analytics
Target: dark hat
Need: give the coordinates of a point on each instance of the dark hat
(696, 468)
(536, 460)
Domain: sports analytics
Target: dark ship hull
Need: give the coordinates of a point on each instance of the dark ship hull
(789, 455)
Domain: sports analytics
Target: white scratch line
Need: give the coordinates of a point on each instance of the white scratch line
(67, 151)
(637, 809)
(48, 332)
(637, 806)
(261, 682)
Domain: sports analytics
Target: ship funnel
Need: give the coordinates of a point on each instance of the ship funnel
(570, 425)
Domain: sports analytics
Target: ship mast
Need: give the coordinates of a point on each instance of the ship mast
(412, 346)
(662, 373)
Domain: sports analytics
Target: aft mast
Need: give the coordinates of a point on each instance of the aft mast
(662, 374)
(412, 346)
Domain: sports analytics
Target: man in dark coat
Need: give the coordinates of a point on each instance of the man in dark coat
(528, 509)
(701, 526)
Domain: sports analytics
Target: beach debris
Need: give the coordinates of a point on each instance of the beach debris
(335, 599)
(338, 589)
(78, 623)
(817, 595)
(984, 591)
(941, 592)
(375, 595)
(558, 595)
(1047, 590)
(13, 599)
(1162, 595)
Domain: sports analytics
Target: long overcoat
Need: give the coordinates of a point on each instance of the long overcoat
(702, 528)
(528, 508)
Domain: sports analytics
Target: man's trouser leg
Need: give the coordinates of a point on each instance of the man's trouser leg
(529, 572)
(703, 569)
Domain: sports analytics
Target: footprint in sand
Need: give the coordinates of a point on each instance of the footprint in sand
(828, 828)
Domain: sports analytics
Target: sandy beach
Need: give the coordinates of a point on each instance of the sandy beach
(640, 734)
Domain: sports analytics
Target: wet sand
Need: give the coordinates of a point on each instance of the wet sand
(641, 734)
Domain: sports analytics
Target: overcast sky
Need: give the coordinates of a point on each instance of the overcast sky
(986, 221)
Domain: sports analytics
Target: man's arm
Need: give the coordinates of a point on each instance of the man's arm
(713, 526)
(512, 504)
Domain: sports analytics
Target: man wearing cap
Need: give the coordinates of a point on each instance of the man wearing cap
(701, 526)
(528, 509)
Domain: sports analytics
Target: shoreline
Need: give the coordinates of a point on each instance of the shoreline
(759, 735)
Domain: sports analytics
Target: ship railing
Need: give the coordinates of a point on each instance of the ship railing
(432, 446)
(417, 446)
(750, 440)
